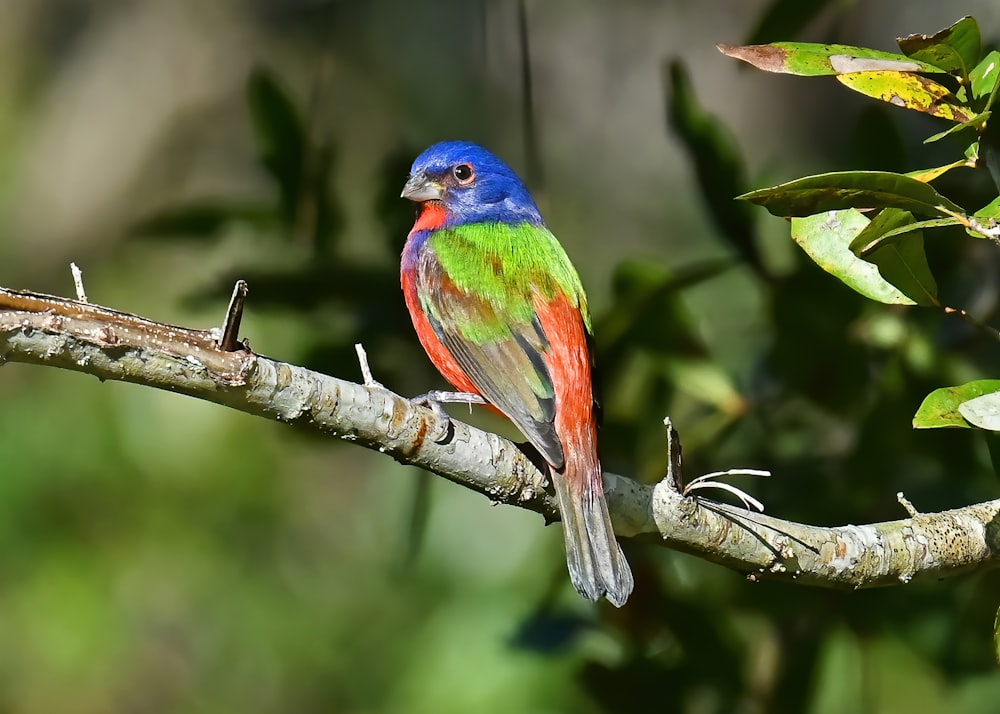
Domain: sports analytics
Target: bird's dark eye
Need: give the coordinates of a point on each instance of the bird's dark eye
(463, 173)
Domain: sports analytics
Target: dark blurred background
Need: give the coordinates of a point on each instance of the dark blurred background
(158, 554)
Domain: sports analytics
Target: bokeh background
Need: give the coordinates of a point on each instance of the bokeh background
(158, 554)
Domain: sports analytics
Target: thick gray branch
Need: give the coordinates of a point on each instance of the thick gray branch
(46, 330)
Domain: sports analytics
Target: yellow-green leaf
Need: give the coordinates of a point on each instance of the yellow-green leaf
(926, 175)
(910, 91)
(809, 59)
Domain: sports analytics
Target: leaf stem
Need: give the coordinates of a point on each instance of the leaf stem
(981, 326)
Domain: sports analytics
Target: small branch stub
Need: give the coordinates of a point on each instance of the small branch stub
(81, 294)
(674, 458)
(229, 342)
(905, 503)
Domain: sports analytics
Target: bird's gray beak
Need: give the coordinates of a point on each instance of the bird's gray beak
(420, 188)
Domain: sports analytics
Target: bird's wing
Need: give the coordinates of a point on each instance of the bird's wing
(499, 344)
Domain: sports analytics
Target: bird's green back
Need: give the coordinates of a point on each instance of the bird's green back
(506, 265)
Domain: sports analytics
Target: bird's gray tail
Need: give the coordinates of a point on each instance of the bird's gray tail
(597, 566)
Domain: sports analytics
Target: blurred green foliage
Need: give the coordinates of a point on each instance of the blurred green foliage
(162, 555)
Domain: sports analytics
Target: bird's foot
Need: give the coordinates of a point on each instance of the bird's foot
(433, 401)
(708, 481)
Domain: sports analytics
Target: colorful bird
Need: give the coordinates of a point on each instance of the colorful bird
(501, 312)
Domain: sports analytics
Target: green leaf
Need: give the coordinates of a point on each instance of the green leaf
(809, 59)
(954, 49)
(826, 238)
(886, 220)
(977, 122)
(990, 211)
(926, 175)
(872, 238)
(985, 76)
(717, 161)
(852, 189)
(983, 411)
(910, 91)
(280, 135)
(940, 408)
(901, 261)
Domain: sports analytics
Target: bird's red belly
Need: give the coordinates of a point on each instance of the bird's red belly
(439, 355)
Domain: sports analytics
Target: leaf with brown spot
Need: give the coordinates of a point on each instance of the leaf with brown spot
(809, 59)
(910, 91)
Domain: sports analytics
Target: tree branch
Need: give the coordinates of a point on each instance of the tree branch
(46, 330)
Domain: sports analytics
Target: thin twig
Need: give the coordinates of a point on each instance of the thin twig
(366, 370)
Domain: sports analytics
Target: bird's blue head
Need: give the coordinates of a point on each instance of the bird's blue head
(472, 185)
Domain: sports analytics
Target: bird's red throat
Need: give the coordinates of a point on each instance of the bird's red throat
(432, 216)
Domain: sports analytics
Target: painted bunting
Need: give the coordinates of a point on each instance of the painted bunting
(501, 313)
